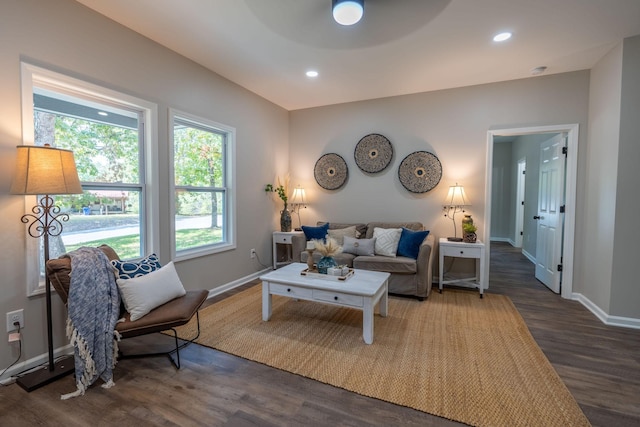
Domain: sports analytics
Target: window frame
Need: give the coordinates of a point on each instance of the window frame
(229, 215)
(34, 76)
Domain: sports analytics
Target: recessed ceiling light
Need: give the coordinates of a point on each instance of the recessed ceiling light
(502, 37)
(102, 113)
(312, 73)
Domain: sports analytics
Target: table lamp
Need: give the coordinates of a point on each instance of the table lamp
(455, 202)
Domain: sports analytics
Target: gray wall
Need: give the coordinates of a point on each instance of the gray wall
(452, 124)
(502, 196)
(625, 290)
(606, 271)
(595, 256)
(67, 37)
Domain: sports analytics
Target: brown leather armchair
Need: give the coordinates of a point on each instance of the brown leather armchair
(167, 317)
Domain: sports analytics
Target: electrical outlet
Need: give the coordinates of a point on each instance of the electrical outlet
(15, 316)
(252, 254)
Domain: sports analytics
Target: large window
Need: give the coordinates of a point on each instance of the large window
(107, 150)
(105, 130)
(202, 175)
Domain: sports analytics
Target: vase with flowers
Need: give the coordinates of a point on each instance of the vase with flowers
(285, 215)
(328, 249)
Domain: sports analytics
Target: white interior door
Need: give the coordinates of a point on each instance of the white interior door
(522, 166)
(549, 217)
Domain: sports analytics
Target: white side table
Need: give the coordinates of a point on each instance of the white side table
(463, 250)
(283, 238)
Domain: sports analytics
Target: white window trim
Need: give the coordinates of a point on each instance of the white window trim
(42, 77)
(230, 169)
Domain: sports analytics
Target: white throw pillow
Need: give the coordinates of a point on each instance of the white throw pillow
(339, 234)
(387, 240)
(142, 294)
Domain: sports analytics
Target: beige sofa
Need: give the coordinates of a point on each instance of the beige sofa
(409, 277)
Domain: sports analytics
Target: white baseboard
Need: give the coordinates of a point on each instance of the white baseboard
(529, 256)
(500, 239)
(231, 285)
(9, 376)
(8, 381)
(623, 322)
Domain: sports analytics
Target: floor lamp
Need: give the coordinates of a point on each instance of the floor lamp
(45, 171)
(455, 202)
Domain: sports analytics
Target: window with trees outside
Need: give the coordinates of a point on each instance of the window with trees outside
(202, 171)
(107, 139)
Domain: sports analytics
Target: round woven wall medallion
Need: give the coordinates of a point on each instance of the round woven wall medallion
(420, 171)
(373, 153)
(331, 171)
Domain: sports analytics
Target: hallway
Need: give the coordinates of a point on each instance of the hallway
(599, 364)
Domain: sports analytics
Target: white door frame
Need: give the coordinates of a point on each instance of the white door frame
(570, 195)
(520, 192)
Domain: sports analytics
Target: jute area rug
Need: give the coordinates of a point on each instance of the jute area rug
(454, 355)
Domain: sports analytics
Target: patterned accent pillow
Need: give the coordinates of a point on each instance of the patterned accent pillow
(340, 233)
(387, 240)
(410, 241)
(131, 269)
(148, 291)
(359, 246)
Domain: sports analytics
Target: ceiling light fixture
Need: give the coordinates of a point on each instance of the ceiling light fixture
(502, 37)
(312, 73)
(347, 12)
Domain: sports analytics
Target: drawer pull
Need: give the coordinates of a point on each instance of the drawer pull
(335, 298)
(461, 252)
(288, 289)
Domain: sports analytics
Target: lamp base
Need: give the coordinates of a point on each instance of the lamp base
(36, 379)
(454, 239)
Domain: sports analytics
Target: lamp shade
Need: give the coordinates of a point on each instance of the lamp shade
(45, 170)
(347, 12)
(298, 196)
(456, 196)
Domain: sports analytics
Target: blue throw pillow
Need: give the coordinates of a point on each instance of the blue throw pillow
(319, 233)
(131, 269)
(410, 242)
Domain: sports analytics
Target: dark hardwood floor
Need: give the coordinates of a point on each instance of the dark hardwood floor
(599, 364)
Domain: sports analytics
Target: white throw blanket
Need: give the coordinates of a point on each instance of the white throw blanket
(94, 308)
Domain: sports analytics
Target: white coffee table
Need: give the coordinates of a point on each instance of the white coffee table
(362, 291)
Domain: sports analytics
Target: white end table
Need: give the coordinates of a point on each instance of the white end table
(463, 250)
(283, 238)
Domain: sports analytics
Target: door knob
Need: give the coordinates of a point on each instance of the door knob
(536, 217)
